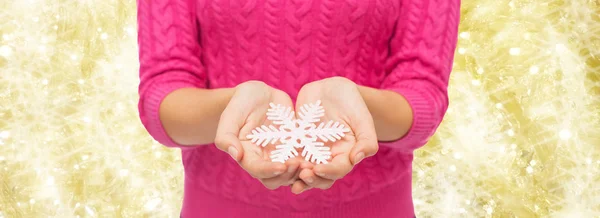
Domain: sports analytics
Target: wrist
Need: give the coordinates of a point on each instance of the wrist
(391, 112)
(190, 115)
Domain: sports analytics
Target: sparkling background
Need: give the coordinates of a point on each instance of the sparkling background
(521, 137)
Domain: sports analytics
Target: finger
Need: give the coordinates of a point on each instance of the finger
(274, 183)
(227, 134)
(294, 166)
(339, 166)
(260, 168)
(366, 139)
(287, 178)
(231, 144)
(312, 180)
(366, 146)
(299, 186)
(307, 165)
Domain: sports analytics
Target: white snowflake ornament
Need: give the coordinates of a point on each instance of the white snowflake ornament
(298, 133)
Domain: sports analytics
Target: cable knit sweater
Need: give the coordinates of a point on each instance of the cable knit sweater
(402, 45)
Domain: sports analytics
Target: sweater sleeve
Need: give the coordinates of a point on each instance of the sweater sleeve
(169, 54)
(421, 56)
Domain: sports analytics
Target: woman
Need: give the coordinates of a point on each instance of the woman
(210, 68)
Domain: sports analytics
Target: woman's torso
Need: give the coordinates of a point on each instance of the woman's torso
(288, 44)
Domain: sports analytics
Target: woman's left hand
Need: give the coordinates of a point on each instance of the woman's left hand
(343, 103)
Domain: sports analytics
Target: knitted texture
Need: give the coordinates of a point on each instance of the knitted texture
(406, 46)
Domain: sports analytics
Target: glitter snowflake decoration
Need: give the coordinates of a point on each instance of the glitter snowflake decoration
(298, 133)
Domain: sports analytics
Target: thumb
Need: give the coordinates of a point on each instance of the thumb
(227, 134)
(228, 142)
(366, 142)
(364, 148)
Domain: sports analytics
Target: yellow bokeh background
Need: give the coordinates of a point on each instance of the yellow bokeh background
(521, 137)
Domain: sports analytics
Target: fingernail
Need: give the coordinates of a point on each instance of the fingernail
(233, 152)
(277, 173)
(303, 190)
(320, 174)
(310, 180)
(359, 157)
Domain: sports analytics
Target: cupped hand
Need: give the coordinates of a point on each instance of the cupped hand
(343, 103)
(245, 111)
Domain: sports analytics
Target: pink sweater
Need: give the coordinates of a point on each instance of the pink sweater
(402, 45)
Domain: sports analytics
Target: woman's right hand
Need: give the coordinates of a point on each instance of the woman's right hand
(245, 111)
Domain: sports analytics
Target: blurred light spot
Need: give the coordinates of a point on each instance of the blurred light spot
(6, 51)
(89, 211)
(529, 169)
(152, 203)
(465, 35)
(462, 50)
(458, 155)
(499, 105)
(560, 48)
(534, 69)
(417, 201)
(510, 132)
(4, 134)
(532, 163)
(123, 172)
(50, 180)
(565, 134)
(130, 31)
(515, 51)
